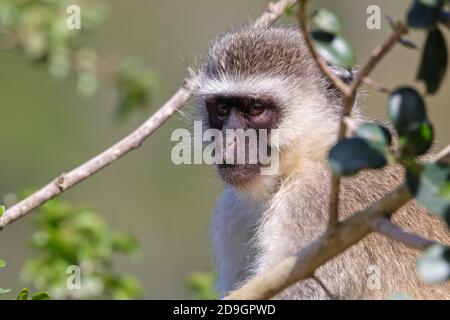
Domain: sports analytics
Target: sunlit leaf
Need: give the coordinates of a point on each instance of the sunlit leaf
(430, 186)
(327, 21)
(434, 265)
(377, 136)
(337, 51)
(23, 295)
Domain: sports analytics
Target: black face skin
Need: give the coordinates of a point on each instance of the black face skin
(236, 112)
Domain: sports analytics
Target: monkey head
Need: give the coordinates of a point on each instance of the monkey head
(257, 79)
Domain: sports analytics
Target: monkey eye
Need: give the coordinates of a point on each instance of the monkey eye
(222, 110)
(256, 109)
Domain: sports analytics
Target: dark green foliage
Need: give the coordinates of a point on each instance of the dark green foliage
(408, 114)
(406, 107)
(424, 13)
(418, 139)
(350, 156)
(434, 61)
(377, 136)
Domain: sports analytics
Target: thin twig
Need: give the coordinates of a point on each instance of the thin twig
(124, 146)
(377, 55)
(273, 12)
(386, 227)
(86, 170)
(377, 86)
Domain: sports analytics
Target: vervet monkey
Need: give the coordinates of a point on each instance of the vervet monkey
(264, 78)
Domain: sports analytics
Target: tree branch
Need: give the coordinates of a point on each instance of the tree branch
(273, 12)
(351, 126)
(348, 91)
(333, 242)
(386, 227)
(67, 180)
(377, 86)
(377, 55)
(338, 83)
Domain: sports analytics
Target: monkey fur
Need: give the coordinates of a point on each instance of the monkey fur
(259, 220)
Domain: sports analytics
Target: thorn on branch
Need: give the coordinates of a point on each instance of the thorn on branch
(377, 86)
(61, 182)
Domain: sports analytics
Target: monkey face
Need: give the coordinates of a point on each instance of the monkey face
(246, 123)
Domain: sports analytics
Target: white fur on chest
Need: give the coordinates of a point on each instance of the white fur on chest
(249, 236)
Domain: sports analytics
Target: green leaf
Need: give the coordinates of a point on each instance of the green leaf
(125, 243)
(352, 155)
(430, 187)
(135, 85)
(418, 139)
(406, 108)
(40, 296)
(336, 50)
(23, 295)
(424, 13)
(2, 263)
(327, 21)
(3, 291)
(202, 285)
(434, 61)
(377, 136)
(2, 210)
(434, 265)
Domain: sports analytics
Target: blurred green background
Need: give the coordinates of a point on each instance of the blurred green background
(48, 128)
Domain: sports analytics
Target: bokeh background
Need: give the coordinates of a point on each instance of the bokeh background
(47, 128)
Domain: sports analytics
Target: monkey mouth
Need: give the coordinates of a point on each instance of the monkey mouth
(239, 174)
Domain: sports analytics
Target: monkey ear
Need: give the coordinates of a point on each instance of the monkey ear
(346, 75)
